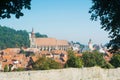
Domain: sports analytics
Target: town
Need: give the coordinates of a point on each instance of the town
(52, 48)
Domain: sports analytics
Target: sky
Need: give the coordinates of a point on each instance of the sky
(60, 19)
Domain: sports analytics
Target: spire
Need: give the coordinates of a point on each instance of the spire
(32, 33)
(90, 45)
(90, 41)
(32, 30)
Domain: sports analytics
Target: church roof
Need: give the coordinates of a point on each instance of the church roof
(50, 42)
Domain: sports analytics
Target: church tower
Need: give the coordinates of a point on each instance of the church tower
(32, 39)
(90, 45)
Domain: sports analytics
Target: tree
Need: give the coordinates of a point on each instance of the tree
(44, 63)
(8, 7)
(73, 61)
(115, 61)
(38, 35)
(93, 59)
(6, 69)
(13, 38)
(108, 11)
(19, 69)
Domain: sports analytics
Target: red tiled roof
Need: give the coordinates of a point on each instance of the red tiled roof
(59, 52)
(50, 42)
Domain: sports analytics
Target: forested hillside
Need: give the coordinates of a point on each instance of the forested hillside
(38, 35)
(14, 38)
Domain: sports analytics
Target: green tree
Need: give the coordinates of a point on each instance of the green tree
(40, 35)
(13, 38)
(15, 7)
(115, 60)
(44, 63)
(73, 61)
(108, 11)
(6, 69)
(19, 69)
(91, 59)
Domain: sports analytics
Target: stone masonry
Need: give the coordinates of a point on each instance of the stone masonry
(93, 73)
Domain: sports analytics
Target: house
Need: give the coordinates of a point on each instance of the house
(11, 57)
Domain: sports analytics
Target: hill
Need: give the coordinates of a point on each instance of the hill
(10, 38)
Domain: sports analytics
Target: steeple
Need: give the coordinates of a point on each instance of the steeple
(32, 33)
(90, 45)
(90, 41)
(32, 39)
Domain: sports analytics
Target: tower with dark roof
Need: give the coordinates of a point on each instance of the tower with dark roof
(32, 39)
(90, 45)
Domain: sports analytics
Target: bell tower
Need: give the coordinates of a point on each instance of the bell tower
(90, 45)
(32, 40)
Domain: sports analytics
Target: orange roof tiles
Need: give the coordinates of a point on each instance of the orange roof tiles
(34, 58)
(45, 52)
(59, 52)
(8, 57)
(49, 42)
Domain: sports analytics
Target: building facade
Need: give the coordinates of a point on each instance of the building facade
(48, 44)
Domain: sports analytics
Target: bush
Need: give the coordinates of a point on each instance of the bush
(73, 61)
(115, 60)
(44, 63)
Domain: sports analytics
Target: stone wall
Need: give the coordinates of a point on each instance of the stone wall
(94, 73)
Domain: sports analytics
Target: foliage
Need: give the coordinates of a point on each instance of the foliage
(29, 53)
(12, 38)
(6, 69)
(115, 61)
(19, 69)
(44, 63)
(108, 12)
(10, 66)
(8, 7)
(93, 59)
(40, 35)
(73, 61)
(107, 65)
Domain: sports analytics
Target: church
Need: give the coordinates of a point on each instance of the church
(48, 44)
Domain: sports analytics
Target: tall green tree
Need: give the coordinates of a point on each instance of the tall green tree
(92, 59)
(15, 7)
(108, 11)
(73, 61)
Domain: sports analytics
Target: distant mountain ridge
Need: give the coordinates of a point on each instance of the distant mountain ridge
(10, 38)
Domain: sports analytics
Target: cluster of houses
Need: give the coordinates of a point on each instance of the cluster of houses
(39, 47)
(12, 57)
